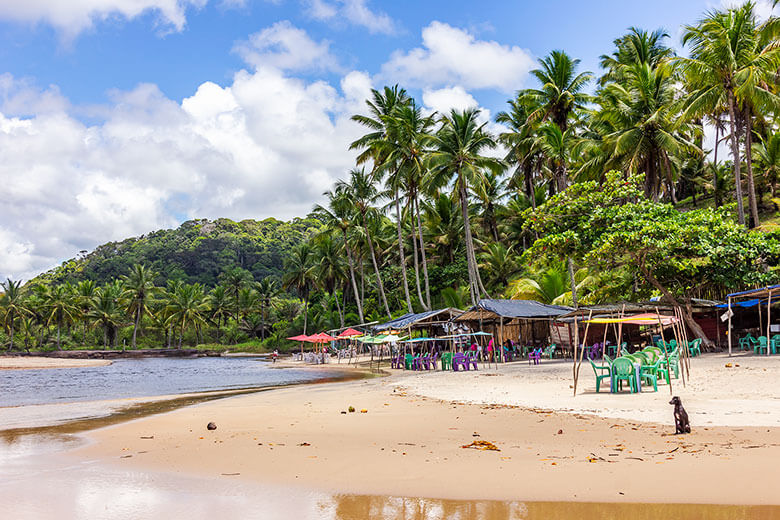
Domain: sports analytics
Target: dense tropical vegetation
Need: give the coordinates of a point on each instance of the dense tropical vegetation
(599, 188)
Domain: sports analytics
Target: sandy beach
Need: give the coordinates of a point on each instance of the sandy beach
(409, 442)
(34, 362)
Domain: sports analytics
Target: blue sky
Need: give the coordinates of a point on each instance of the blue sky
(118, 117)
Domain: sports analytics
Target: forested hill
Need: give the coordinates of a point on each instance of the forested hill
(197, 251)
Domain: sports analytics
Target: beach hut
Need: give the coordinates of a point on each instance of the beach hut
(524, 321)
(431, 323)
(741, 315)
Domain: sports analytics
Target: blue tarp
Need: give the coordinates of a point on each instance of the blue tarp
(745, 303)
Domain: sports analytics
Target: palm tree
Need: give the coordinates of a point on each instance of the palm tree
(298, 275)
(107, 311)
(519, 142)
(550, 285)
(380, 145)
(766, 154)
(59, 308)
(267, 289)
(362, 193)
(730, 61)
(234, 280)
(13, 305)
(499, 261)
(457, 157)
(330, 267)
(219, 307)
(186, 307)
(83, 293)
(444, 225)
(644, 127)
(340, 214)
(139, 288)
(561, 91)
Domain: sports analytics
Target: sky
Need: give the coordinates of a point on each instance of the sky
(121, 117)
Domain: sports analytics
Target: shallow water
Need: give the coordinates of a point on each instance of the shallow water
(144, 377)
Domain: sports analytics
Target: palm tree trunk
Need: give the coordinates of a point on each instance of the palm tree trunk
(135, 325)
(338, 307)
(262, 319)
(358, 301)
(401, 257)
(749, 162)
(715, 163)
(416, 263)
(735, 155)
(422, 251)
(11, 347)
(59, 327)
(572, 282)
(474, 283)
(181, 333)
(305, 311)
(376, 268)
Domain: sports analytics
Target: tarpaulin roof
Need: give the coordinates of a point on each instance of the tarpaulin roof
(412, 318)
(744, 303)
(763, 291)
(523, 309)
(648, 318)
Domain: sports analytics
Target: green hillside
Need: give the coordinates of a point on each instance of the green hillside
(195, 252)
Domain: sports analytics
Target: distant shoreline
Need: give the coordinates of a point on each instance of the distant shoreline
(35, 362)
(112, 354)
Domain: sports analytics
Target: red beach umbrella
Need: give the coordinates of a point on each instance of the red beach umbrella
(321, 337)
(349, 333)
(300, 337)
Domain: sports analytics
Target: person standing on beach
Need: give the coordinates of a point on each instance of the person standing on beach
(275, 355)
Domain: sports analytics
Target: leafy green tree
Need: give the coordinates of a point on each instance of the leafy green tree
(267, 291)
(186, 307)
(139, 288)
(362, 193)
(59, 308)
(299, 276)
(12, 303)
(458, 156)
(106, 311)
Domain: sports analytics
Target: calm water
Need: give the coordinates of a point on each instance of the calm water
(143, 378)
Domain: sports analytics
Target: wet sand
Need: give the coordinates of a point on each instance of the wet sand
(35, 363)
(410, 445)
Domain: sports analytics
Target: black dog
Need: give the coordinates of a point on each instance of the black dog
(680, 417)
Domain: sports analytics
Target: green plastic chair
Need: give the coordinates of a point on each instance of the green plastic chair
(642, 357)
(694, 347)
(775, 343)
(673, 361)
(550, 351)
(761, 346)
(623, 370)
(600, 377)
(446, 361)
(747, 342)
(649, 373)
(408, 362)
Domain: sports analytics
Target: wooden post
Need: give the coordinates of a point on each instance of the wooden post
(679, 337)
(620, 332)
(582, 350)
(729, 331)
(666, 353)
(768, 322)
(501, 339)
(574, 355)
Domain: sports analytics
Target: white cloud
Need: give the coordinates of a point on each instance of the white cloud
(355, 12)
(452, 56)
(286, 47)
(265, 145)
(763, 8)
(445, 99)
(73, 16)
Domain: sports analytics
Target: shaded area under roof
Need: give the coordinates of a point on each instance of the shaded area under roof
(607, 309)
(412, 318)
(520, 309)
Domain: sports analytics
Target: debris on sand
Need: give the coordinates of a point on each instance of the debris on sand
(482, 445)
(211, 426)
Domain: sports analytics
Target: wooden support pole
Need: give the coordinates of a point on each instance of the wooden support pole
(620, 332)
(768, 322)
(729, 331)
(582, 349)
(666, 353)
